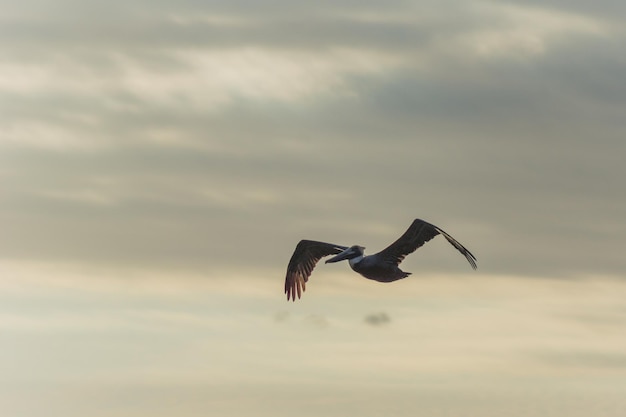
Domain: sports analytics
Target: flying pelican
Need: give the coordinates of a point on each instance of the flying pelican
(382, 266)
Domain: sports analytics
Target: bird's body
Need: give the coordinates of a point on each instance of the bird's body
(381, 266)
(372, 268)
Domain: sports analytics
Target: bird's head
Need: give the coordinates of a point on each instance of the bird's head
(350, 253)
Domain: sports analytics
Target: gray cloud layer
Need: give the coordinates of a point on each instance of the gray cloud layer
(194, 135)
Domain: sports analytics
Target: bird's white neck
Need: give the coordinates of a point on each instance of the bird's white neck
(354, 261)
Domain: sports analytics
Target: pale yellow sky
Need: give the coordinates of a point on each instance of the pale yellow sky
(116, 343)
(159, 162)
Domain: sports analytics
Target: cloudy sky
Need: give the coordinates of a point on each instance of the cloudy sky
(160, 160)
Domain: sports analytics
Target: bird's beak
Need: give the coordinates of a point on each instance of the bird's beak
(346, 254)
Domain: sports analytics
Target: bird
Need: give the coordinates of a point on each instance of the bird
(381, 266)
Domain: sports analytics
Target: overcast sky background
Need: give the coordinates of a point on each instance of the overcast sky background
(159, 161)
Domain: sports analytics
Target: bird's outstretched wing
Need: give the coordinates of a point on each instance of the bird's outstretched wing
(416, 235)
(302, 262)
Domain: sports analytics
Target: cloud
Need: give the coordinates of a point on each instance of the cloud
(317, 321)
(177, 333)
(377, 319)
(584, 360)
(191, 134)
(159, 162)
(281, 316)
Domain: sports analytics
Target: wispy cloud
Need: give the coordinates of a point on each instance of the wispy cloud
(377, 319)
(470, 336)
(194, 135)
(159, 161)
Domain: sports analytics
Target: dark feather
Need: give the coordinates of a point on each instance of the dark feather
(302, 262)
(416, 235)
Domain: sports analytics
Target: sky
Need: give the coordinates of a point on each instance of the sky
(159, 161)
